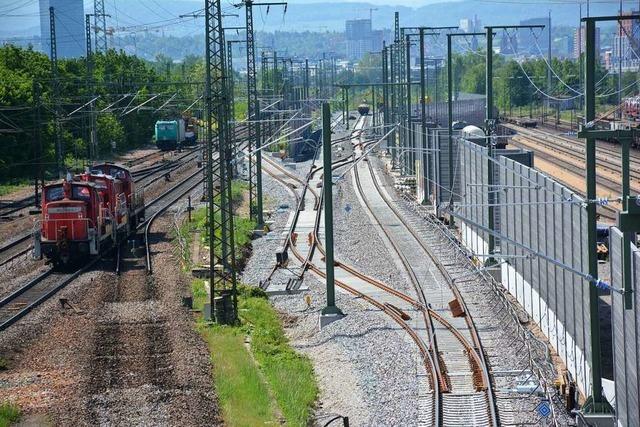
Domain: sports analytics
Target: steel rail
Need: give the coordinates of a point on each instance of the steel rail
(150, 221)
(31, 286)
(387, 309)
(477, 345)
(573, 148)
(431, 365)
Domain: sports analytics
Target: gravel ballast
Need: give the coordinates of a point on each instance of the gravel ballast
(365, 366)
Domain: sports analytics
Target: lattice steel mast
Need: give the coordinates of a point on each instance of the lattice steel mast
(253, 113)
(99, 26)
(56, 93)
(220, 213)
(91, 137)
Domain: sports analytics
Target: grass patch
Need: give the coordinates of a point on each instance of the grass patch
(289, 374)
(9, 414)
(242, 393)
(10, 188)
(243, 228)
(199, 293)
(245, 389)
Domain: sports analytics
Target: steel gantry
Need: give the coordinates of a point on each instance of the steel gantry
(92, 137)
(219, 170)
(56, 94)
(628, 220)
(231, 92)
(450, 107)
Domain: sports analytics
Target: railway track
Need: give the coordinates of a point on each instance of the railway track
(444, 398)
(398, 306)
(468, 399)
(606, 157)
(11, 208)
(33, 293)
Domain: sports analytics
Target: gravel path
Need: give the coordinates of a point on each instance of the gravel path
(365, 367)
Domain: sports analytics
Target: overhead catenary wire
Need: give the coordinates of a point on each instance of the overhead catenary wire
(536, 86)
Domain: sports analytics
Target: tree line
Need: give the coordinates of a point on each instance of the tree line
(120, 82)
(514, 85)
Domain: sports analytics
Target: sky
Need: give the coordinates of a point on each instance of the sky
(20, 18)
(407, 3)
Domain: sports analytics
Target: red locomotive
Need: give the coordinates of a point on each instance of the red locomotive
(84, 215)
(631, 108)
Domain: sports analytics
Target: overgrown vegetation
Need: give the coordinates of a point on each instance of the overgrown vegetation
(254, 388)
(9, 414)
(11, 187)
(289, 374)
(243, 228)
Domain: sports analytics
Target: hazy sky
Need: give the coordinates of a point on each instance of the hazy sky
(409, 3)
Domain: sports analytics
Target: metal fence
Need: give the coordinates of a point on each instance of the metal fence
(471, 109)
(474, 196)
(626, 333)
(432, 168)
(536, 220)
(541, 220)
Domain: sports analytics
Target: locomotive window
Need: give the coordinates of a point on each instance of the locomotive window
(54, 194)
(101, 184)
(81, 193)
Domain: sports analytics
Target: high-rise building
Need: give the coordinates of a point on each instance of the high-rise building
(534, 41)
(579, 43)
(626, 46)
(566, 47)
(361, 39)
(69, 19)
(509, 44)
(471, 25)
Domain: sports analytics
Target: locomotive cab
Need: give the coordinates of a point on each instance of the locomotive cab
(70, 223)
(114, 201)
